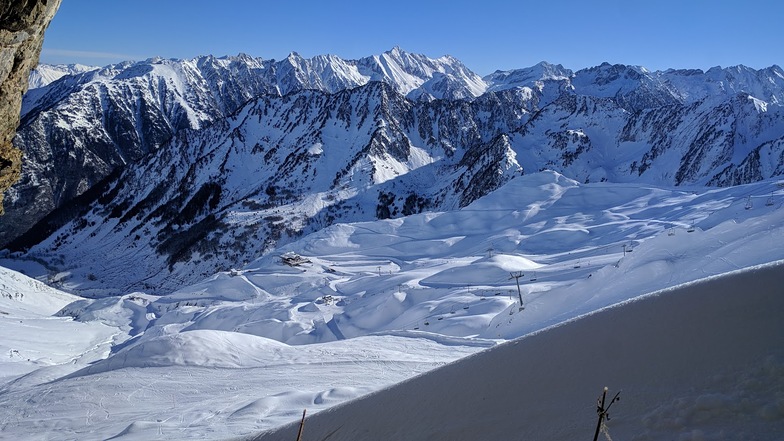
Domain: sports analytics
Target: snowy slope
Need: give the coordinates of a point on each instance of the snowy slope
(32, 339)
(449, 272)
(699, 361)
(20, 294)
(362, 306)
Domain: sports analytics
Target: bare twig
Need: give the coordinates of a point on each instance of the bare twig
(301, 425)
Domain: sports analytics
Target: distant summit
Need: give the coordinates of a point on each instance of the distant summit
(44, 74)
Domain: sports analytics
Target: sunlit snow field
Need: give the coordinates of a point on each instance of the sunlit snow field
(362, 306)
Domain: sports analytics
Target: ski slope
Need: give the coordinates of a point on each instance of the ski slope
(363, 306)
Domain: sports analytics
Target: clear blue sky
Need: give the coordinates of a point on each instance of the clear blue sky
(485, 34)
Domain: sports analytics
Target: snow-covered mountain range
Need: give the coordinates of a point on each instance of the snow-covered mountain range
(93, 122)
(188, 167)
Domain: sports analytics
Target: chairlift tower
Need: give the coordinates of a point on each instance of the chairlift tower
(516, 275)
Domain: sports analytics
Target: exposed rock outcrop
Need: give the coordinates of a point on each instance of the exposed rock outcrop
(22, 26)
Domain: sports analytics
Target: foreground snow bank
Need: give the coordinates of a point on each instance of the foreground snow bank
(699, 361)
(180, 386)
(221, 349)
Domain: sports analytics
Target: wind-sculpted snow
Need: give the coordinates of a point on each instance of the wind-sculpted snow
(196, 348)
(224, 349)
(354, 307)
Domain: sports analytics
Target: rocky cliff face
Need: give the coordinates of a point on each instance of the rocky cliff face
(22, 26)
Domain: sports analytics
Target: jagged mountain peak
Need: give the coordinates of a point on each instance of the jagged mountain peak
(684, 72)
(618, 67)
(735, 75)
(719, 83)
(550, 70)
(410, 71)
(530, 77)
(242, 56)
(609, 77)
(410, 59)
(633, 87)
(396, 50)
(226, 60)
(294, 57)
(719, 70)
